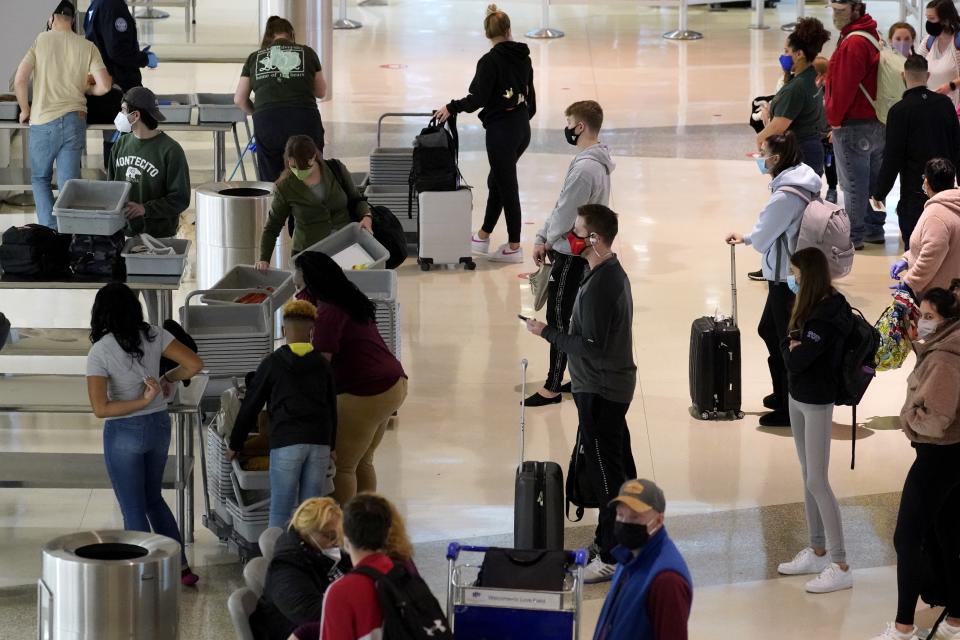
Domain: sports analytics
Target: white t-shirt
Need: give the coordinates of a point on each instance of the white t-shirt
(124, 372)
(943, 63)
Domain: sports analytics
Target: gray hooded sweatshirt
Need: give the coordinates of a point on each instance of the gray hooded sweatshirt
(587, 182)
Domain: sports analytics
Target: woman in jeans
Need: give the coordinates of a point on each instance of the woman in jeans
(926, 522)
(123, 368)
(502, 89)
(371, 384)
(813, 352)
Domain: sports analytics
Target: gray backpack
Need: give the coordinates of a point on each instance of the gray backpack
(826, 226)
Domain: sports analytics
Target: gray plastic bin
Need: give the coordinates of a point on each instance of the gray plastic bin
(145, 264)
(9, 110)
(176, 107)
(247, 277)
(348, 236)
(218, 107)
(376, 284)
(251, 480)
(93, 207)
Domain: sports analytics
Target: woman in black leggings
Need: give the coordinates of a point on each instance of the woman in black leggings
(929, 509)
(502, 89)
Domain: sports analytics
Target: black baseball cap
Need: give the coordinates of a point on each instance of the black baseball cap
(142, 99)
(65, 8)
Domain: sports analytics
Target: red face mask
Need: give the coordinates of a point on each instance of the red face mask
(577, 244)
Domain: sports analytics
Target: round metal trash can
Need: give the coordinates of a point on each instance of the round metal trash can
(109, 585)
(230, 219)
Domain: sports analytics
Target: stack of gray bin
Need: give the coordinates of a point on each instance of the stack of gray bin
(250, 510)
(219, 469)
(380, 285)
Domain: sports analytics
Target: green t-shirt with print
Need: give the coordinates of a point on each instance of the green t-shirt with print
(159, 178)
(282, 75)
(801, 101)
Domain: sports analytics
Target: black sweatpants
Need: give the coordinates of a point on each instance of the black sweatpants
(927, 516)
(908, 214)
(273, 127)
(609, 459)
(507, 139)
(773, 329)
(561, 294)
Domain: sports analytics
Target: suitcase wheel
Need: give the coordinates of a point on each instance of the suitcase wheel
(468, 264)
(738, 415)
(424, 266)
(704, 415)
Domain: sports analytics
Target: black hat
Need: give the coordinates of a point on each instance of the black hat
(65, 8)
(142, 99)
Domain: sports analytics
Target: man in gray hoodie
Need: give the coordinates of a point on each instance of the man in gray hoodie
(587, 182)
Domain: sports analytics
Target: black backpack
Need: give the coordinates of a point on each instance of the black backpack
(34, 250)
(435, 153)
(410, 611)
(177, 331)
(98, 255)
(579, 490)
(857, 369)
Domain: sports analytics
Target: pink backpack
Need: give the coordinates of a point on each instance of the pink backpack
(826, 226)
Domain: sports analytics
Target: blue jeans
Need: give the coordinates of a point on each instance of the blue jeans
(61, 141)
(136, 450)
(297, 472)
(858, 149)
(811, 148)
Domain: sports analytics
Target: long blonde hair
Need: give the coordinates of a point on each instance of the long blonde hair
(496, 24)
(314, 514)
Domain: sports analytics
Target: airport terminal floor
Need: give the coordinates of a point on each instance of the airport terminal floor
(675, 119)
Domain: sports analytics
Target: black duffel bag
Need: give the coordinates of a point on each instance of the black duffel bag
(388, 232)
(580, 492)
(34, 250)
(533, 570)
(98, 255)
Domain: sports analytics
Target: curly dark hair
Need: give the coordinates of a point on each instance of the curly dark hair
(326, 282)
(809, 36)
(944, 301)
(116, 310)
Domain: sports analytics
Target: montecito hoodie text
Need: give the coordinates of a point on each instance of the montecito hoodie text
(503, 82)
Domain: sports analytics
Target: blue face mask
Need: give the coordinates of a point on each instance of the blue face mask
(793, 285)
(762, 165)
(786, 62)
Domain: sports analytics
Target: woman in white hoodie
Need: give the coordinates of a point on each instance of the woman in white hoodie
(775, 236)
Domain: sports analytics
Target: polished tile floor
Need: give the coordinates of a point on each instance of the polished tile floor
(674, 117)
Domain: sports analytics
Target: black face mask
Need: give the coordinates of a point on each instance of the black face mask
(934, 28)
(631, 535)
(568, 133)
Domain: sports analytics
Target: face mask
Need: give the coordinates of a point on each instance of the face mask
(902, 47)
(631, 535)
(786, 62)
(301, 174)
(570, 134)
(577, 244)
(926, 328)
(934, 28)
(762, 165)
(793, 285)
(122, 123)
(333, 553)
(841, 20)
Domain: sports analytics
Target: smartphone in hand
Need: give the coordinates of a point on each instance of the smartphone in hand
(878, 206)
(522, 317)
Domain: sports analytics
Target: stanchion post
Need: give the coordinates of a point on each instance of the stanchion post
(758, 15)
(545, 32)
(682, 32)
(343, 22)
(801, 11)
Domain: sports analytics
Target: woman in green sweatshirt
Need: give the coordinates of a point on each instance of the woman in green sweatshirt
(319, 201)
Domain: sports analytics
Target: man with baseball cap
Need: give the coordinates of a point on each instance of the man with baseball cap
(858, 136)
(156, 168)
(65, 67)
(652, 590)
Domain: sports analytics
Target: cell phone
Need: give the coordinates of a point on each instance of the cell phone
(524, 318)
(876, 205)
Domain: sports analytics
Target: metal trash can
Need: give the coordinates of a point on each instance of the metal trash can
(230, 219)
(109, 585)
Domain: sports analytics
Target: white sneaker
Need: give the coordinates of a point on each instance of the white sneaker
(805, 562)
(833, 578)
(506, 254)
(598, 571)
(947, 632)
(479, 246)
(891, 633)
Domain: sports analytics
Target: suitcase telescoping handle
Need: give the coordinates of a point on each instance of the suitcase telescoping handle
(733, 281)
(399, 115)
(523, 405)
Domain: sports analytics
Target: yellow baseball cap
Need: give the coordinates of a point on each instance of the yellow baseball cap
(641, 495)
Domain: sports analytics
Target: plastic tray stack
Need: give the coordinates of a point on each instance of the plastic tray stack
(380, 285)
(396, 198)
(391, 165)
(218, 473)
(247, 277)
(250, 511)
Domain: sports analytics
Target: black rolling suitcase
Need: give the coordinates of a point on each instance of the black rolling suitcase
(715, 361)
(538, 496)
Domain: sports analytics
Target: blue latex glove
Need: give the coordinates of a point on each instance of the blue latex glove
(896, 268)
(899, 287)
(152, 60)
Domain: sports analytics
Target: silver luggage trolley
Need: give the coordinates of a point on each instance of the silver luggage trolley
(477, 613)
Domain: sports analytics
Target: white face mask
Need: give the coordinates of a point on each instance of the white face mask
(122, 123)
(333, 553)
(926, 328)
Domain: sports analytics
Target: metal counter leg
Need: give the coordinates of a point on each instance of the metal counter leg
(188, 423)
(219, 151)
(236, 143)
(164, 305)
(181, 484)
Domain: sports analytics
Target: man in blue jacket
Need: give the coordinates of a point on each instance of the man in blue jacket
(652, 590)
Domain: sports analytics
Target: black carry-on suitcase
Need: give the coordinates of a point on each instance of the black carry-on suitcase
(538, 496)
(715, 361)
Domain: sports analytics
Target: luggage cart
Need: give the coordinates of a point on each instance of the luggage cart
(478, 613)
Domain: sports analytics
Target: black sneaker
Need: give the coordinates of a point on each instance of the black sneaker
(775, 419)
(772, 402)
(566, 387)
(756, 275)
(537, 400)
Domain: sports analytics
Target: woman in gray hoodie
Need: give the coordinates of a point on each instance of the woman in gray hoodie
(775, 236)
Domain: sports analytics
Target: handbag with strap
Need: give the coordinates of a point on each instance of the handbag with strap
(523, 569)
(540, 283)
